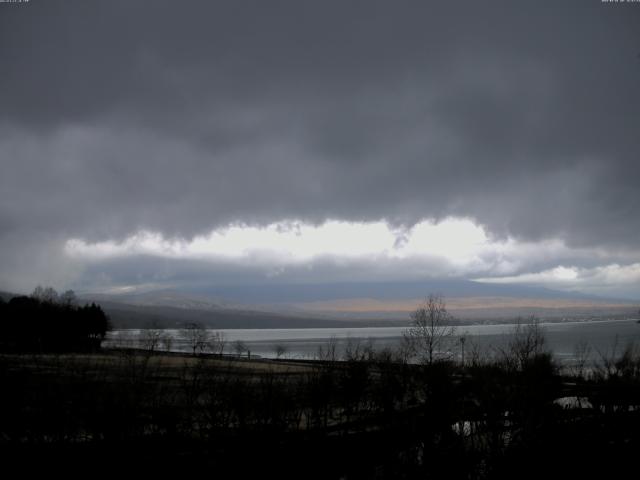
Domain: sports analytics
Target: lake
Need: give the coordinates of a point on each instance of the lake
(603, 337)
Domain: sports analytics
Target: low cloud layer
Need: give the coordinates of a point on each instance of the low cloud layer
(290, 252)
(181, 119)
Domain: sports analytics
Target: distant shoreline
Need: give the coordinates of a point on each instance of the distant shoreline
(398, 324)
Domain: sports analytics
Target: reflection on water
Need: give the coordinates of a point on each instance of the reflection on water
(562, 338)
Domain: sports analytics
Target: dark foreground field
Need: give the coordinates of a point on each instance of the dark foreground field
(371, 416)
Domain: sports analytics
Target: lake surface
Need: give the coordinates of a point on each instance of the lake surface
(603, 337)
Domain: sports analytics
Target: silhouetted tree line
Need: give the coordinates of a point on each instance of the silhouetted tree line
(48, 322)
(508, 413)
(368, 415)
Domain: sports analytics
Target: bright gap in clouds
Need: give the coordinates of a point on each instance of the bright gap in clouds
(453, 247)
(456, 240)
(612, 279)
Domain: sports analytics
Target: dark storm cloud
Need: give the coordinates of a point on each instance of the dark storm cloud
(180, 116)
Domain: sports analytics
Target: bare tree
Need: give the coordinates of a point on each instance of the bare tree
(150, 339)
(239, 347)
(329, 351)
(196, 336)
(166, 341)
(526, 344)
(356, 350)
(68, 298)
(431, 335)
(48, 294)
(280, 349)
(404, 351)
(477, 355)
(217, 343)
(581, 355)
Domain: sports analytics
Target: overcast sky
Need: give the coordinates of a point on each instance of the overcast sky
(170, 143)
